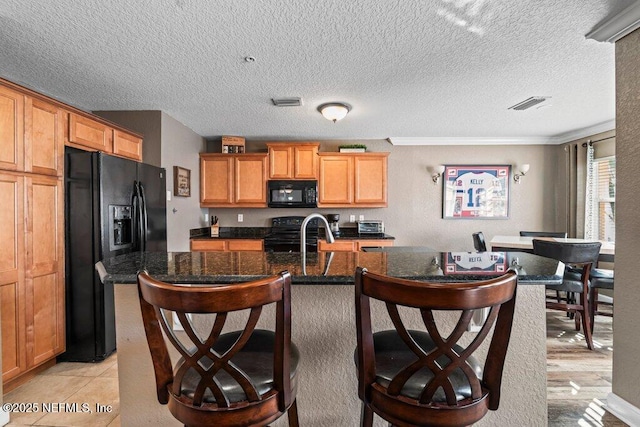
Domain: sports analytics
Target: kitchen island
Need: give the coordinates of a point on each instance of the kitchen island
(323, 323)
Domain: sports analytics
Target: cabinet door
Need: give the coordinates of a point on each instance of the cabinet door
(12, 296)
(242, 245)
(305, 162)
(336, 180)
(280, 162)
(44, 137)
(126, 145)
(373, 243)
(44, 269)
(251, 180)
(11, 129)
(90, 133)
(216, 180)
(370, 180)
(337, 246)
(208, 245)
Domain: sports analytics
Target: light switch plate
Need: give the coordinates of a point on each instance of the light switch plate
(240, 217)
(352, 218)
(168, 195)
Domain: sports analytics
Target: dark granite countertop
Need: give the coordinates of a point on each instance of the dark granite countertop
(322, 268)
(351, 233)
(346, 233)
(230, 233)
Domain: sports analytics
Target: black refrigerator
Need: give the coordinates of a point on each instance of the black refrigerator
(113, 206)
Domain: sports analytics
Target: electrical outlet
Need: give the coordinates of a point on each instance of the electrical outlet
(206, 218)
(352, 218)
(361, 218)
(240, 217)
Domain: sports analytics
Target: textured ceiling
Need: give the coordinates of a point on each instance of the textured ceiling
(409, 68)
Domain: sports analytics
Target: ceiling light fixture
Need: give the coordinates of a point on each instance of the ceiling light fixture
(334, 111)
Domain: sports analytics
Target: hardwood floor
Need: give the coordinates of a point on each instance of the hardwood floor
(578, 379)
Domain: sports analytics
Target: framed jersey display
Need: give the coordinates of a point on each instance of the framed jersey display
(476, 192)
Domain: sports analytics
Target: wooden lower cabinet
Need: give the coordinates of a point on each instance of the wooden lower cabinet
(12, 281)
(229, 245)
(31, 272)
(45, 269)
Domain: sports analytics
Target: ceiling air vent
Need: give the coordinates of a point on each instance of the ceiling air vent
(287, 102)
(528, 103)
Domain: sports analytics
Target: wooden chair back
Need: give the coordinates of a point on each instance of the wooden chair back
(497, 294)
(217, 407)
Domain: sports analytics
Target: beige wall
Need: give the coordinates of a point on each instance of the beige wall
(626, 371)
(180, 147)
(414, 215)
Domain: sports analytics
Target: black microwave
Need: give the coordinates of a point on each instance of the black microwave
(292, 194)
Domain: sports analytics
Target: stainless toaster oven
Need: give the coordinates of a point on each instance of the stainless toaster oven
(370, 226)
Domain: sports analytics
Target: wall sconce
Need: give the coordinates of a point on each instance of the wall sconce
(334, 111)
(438, 173)
(523, 171)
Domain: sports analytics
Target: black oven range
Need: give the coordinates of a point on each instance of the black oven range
(285, 235)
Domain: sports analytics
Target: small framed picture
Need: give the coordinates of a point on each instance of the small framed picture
(181, 182)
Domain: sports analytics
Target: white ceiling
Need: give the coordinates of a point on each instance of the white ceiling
(416, 69)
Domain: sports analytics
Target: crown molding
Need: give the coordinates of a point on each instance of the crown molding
(533, 140)
(613, 29)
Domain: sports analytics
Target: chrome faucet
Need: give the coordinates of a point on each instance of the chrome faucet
(303, 237)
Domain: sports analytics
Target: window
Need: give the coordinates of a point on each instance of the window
(604, 199)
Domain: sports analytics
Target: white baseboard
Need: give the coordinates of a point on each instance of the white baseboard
(4, 418)
(622, 409)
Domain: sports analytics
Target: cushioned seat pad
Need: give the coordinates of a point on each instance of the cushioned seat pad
(255, 359)
(392, 355)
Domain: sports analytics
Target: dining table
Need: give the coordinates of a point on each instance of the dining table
(525, 244)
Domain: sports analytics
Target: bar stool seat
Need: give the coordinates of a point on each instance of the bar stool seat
(392, 355)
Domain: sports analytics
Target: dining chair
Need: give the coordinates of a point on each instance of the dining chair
(240, 378)
(478, 242)
(600, 279)
(580, 257)
(561, 234)
(420, 377)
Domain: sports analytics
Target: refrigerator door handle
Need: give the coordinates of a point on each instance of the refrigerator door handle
(135, 203)
(144, 218)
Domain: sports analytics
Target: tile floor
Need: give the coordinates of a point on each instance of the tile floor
(578, 383)
(65, 384)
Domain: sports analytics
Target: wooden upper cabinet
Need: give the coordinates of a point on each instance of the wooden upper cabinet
(370, 179)
(44, 137)
(335, 186)
(348, 179)
(90, 134)
(11, 129)
(216, 180)
(126, 145)
(293, 160)
(280, 161)
(228, 180)
(251, 180)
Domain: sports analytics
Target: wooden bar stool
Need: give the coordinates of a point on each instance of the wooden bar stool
(418, 378)
(241, 378)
